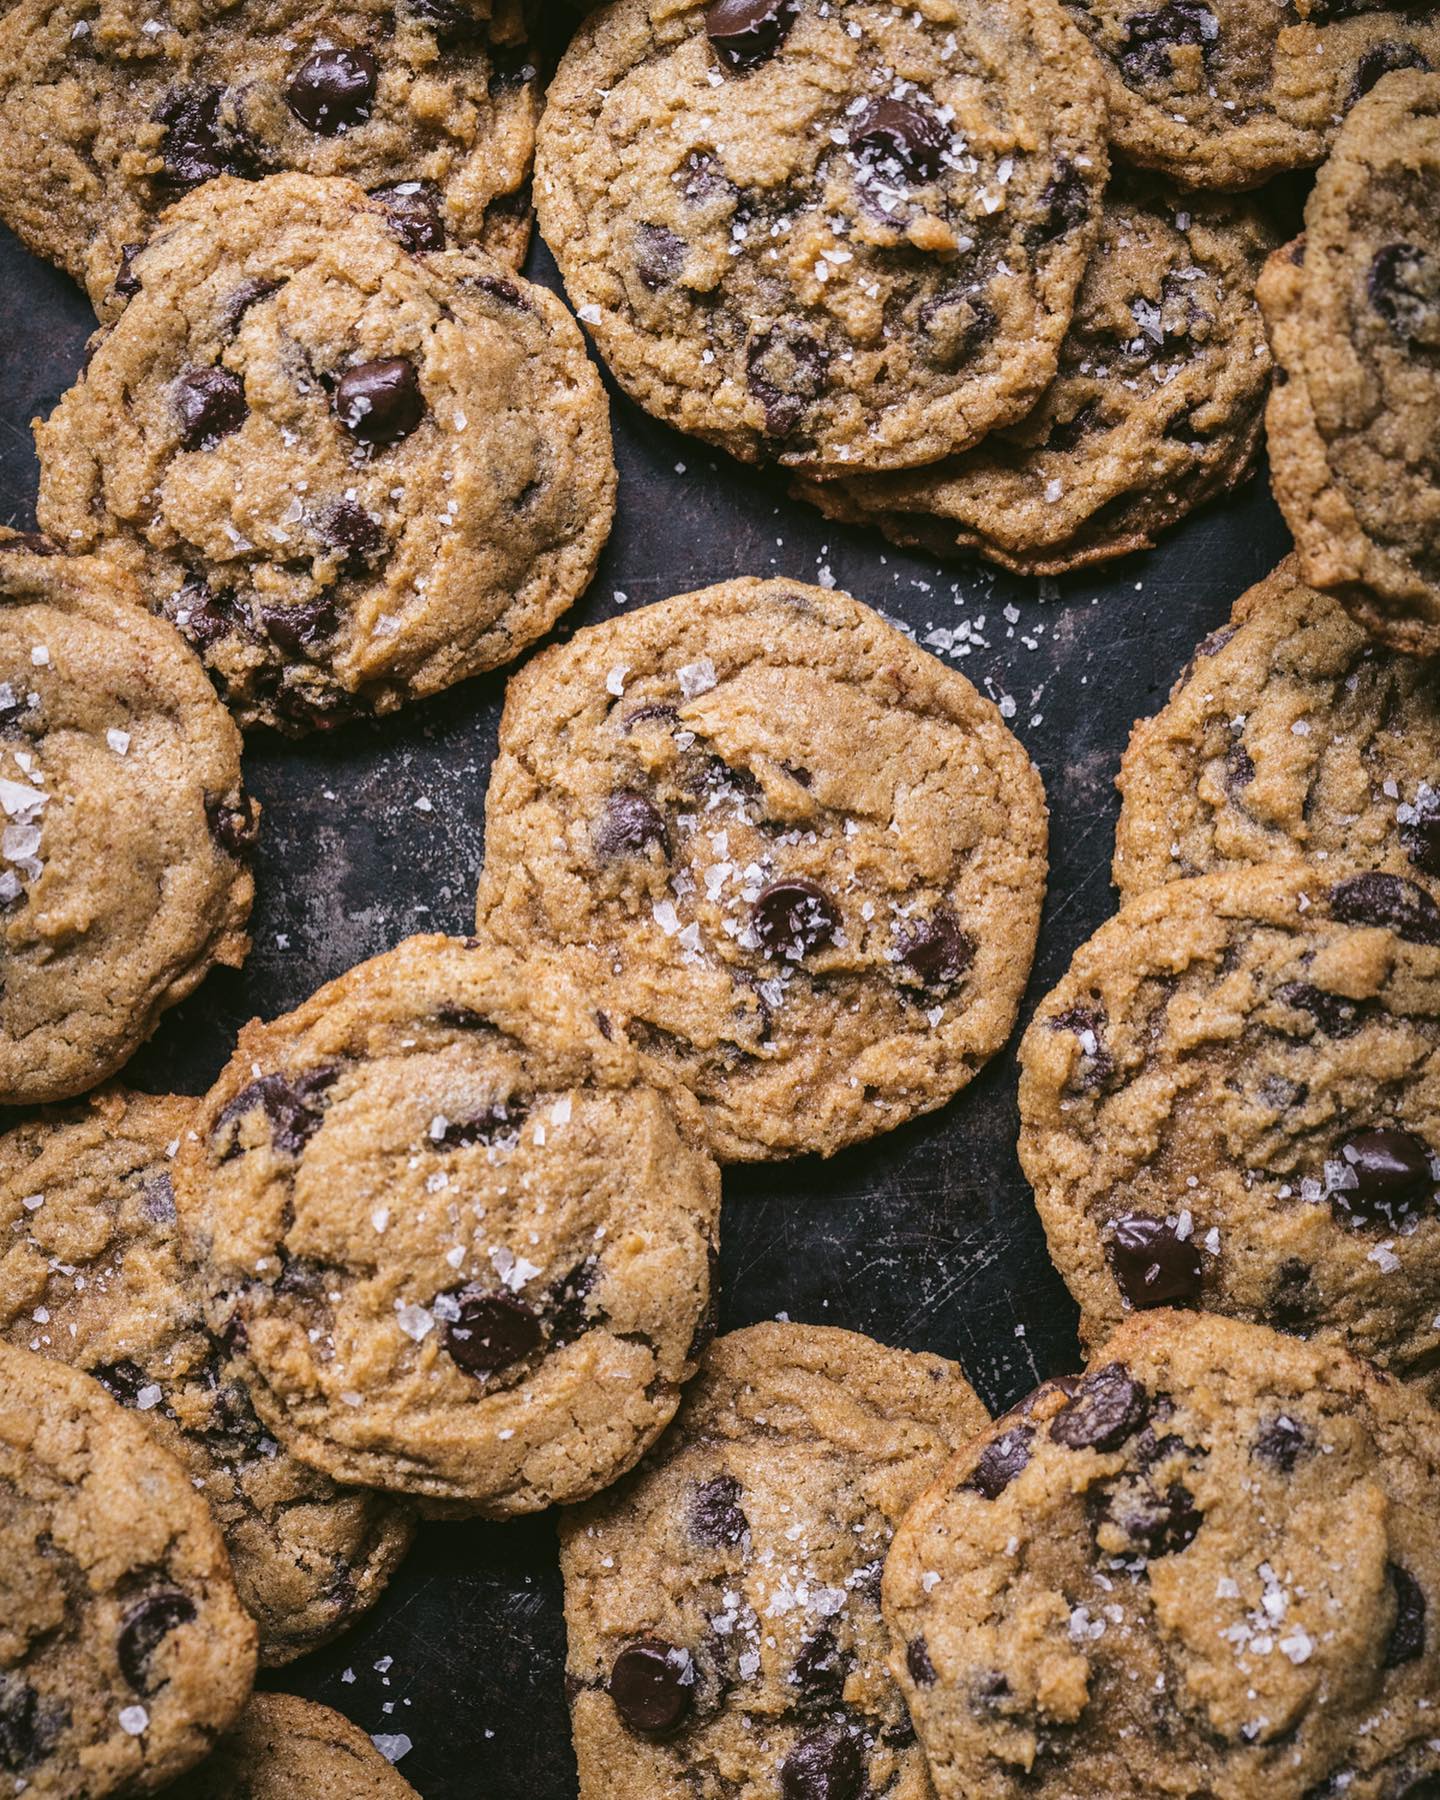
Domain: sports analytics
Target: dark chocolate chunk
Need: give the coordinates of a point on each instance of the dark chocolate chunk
(490, 1124)
(29, 1728)
(197, 146)
(1064, 202)
(827, 1765)
(492, 1331)
(234, 824)
(145, 1627)
(1151, 36)
(659, 256)
(1096, 1065)
(1405, 291)
(714, 1516)
(785, 371)
(1281, 1442)
(1336, 1016)
(1001, 1461)
(333, 90)
(296, 626)
(1383, 59)
(746, 33)
(793, 918)
(1153, 1264)
(415, 213)
(917, 1661)
(1392, 1174)
(293, 1106)
(568, 1312)
(209, 405)
(1388, 900)
(900, 135)
(1106, 1408)
(1420, 834)
(380, 402)
(122, 1380)
(935, 948)
(652, 1684)
(239, 301)
(628, 826)
(1407, 1634)
(820, 1671)
(347, 527)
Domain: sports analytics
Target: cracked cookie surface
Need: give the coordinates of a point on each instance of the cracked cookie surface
(93, 1274)
(1230, 1102)
(124, 1651)
(1209, 1566)
(1156, 407)
(1226, 93)
(837, 235)
(114, 755)
(351, 473)
(1291, 735)
(1353, 422)
(111, 111)
(723, 1604)
(283, 1748)
(456, 1248)
(797, 860)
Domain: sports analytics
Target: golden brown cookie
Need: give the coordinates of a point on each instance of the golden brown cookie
(281, 1748)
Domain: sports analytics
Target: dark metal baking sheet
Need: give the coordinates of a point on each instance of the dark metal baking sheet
(926, 1238)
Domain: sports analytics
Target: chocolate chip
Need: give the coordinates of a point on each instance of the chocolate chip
(935, 948)
(568, 1312)
(297, 625)
(291, 1104)
(492, 1331)
(1088, 1024)
(652, 1684)
(820, 1671)
(1392, 1178)
(1383, 59)
(653, 711)
(1421, 833)
(628, 826)
(1156, 1524)
(240, 299)
(122, 1380)
(714, 1516)
(917, 1661)
(746, 33)
(1239, 768)
(498, 288)
(234, 824)
(1000, 1462)
(1281, 1442)
(1336, 1016)
(954, 324)
(145, 1627)
(481, 1125)
(201, 616)
(902, 134)
(380, 402)
(828, 1765)
(785, 371)
(452, 21)
(1064, 203)
(1065, 434)
(793, 918)
(347, 527)
(196, 147)
(209, 405)
(414, 212)
(1153, 1264)
(1405, 290)
(659, 256)
(332, 90)
(1292, 1300)
(29, 1730)
(1150, 37)
(127, 283)
(1407, 1635)
(1388, 900)
(1106, 1408)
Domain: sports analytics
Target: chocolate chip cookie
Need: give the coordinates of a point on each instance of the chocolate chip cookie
(281, 1748)
(1156, 407)
(1354, 317)
(115, 759)
(454, 1246)
(1210, 1566)
(110, 112)
(94, 1274)
(1291, 736)
(124, 1651)
(352, 473)
(841, 235)
(1230, 1100)
(723, 1604)
(1226, 93)
(798, 861)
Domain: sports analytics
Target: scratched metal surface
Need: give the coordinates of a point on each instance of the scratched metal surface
(927, 1238)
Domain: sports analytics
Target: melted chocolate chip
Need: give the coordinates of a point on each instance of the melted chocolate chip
(297, 625)
(1001, 1461)
(1064, 202)
(828, 1765)
(239, 301)
(1281, 1442)
(1106, 1408)
(917, 1661)
(1096, 1065)
(1388, 900)
(333, 90)
(360, 539)
(653, 711)
(492, 1331)
(1151, 36)
(1392, 1178)
(746, 33)
(785, 371)
(628, 826)
(29, 1730)
(567, 1303)
(1336, 1016)
(900, 134)
(659, 256)
(415, 212)
(1156, 1524)
(234, 824)
(1407, 1635)
(122, 1380)
(1153, 1264)
(714, 1516)
(127, 283)
(292, 1105)
(652, 1684)
(820, 1671)
(146, 1626)
(196, 147)
(793, 918)
(1421, 833)
(202, 616)
(1239, 767)
(380, 402)
(1404, 291)
(498, 288)
(452, 21)
(1383, 59)
(936, 949)
(955, 324)
(209, 405)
